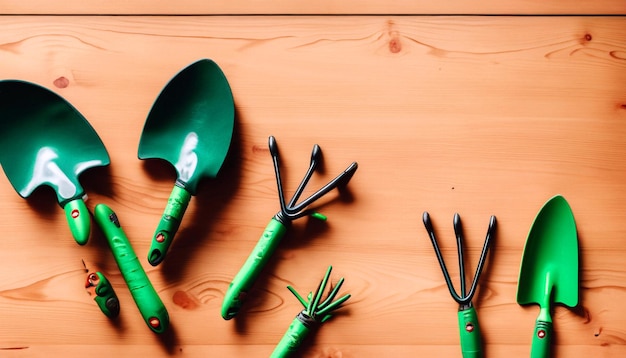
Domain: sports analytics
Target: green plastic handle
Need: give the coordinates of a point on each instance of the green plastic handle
(469, 330)
(168, 226)
(251, 269)
(146, 298)
(541, 340)
(292, 339)
(77, 216)
(105, 295)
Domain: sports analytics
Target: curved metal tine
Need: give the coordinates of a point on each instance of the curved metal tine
(458, 232)
(483, 254)
(316, 153)
(288, 208)
(275, 159)
(429, 227)
(341, 179)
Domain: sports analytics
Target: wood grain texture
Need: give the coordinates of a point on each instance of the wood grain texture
(323, 7)
(476, 115)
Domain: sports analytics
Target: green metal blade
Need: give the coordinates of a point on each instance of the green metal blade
(44, 140)
(549, 268)
(191, 123)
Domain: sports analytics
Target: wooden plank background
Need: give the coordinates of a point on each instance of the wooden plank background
(319, 7)
(470, 114)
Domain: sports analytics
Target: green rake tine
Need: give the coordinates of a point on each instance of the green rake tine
(295, 293)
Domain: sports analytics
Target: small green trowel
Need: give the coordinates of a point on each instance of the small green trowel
(549, 269)
(44, 140)
(191, 126)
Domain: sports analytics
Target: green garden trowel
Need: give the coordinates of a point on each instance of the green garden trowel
(190, 125)
(549, 269)
(44, 140)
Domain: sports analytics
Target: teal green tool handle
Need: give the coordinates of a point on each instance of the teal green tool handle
(168, 226)
(251, 269)
(292, 339)
(541, 340)
(469, 330)
(146, 298)
(78, 220)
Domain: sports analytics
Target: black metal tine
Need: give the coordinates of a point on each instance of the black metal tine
(483, 254)
(291, 209)
(429, 227)
(458, 231)
(315, 156)
(341, 179)
(275, 159)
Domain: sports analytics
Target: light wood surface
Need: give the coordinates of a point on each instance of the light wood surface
(319, 7)
(469, 114)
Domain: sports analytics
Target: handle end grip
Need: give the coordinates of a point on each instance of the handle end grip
(78, 219)
(104, 294)
(233, 300)
(168, 226)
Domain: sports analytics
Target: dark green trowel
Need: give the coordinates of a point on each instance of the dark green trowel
(549, 269)
(190, 125)
(44, 140)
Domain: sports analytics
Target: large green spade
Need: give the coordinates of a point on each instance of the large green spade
(190, 125)
(44, 140)
(549, 269)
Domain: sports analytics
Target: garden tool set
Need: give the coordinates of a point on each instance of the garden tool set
(45, 141)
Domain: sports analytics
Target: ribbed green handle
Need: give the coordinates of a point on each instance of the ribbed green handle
(251, 269)
(146, 298)
(168, 226)
(78, 220)
(469, 330)
(292, 339)
(541, 340)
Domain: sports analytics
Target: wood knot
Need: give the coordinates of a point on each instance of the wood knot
(588, 37)
(62, 82)
(259, 149)
(182, 299)
(394, 44)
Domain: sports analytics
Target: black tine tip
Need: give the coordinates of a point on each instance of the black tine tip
(316, 153)
(427, 223)
(492, 223)
(457, 223)
(273, 146)
(347, 174)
